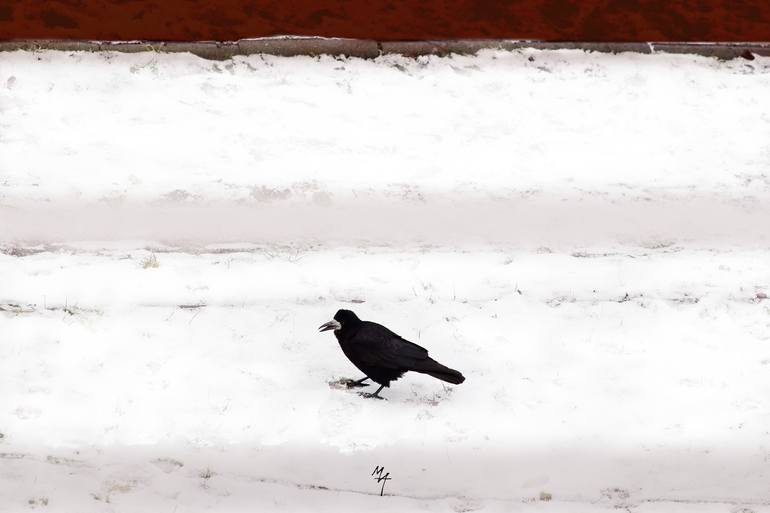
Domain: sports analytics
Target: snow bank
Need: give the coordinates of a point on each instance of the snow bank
(561, 145)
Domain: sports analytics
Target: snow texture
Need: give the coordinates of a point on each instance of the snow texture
(584, 236)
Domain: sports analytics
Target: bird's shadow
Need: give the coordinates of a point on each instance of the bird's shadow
(430, 399)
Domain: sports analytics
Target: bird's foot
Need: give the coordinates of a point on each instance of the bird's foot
(354, 384)
(347, 383)
(371, 396)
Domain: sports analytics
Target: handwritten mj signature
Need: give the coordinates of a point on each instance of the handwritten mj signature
(377, 474)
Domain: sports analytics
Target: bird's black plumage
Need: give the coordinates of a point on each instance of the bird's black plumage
(381, 354)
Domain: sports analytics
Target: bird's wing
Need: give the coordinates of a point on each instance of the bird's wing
(378, 346)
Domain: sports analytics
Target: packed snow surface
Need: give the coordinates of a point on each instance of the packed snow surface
(584, 236)
(529, 147)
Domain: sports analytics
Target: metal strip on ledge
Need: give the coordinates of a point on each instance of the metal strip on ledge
(369, 49)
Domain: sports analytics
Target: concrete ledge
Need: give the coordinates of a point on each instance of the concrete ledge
(417, 48)
(363, 48)
(368, 49)
(720, 51)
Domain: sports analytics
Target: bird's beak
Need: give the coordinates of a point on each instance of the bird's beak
(331, 325)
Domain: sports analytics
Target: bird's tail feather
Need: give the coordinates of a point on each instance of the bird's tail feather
(432, 368)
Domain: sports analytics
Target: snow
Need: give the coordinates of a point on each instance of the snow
(583, 235)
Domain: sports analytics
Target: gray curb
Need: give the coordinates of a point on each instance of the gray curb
(369, 49)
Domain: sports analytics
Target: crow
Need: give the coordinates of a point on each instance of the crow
(381, 354)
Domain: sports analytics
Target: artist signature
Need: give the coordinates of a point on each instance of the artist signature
(377, 474)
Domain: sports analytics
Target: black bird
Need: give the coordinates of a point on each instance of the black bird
(381, 354)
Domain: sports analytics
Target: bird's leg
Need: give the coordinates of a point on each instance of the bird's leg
(375, 395)
(355, 384)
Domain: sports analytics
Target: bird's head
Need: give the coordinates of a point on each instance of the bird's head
(341, 319)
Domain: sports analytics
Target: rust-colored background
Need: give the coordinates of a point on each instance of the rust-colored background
(550, 20)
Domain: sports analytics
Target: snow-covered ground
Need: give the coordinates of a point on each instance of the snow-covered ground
(584, 236)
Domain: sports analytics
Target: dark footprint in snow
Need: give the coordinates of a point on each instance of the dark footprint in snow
(167, 465)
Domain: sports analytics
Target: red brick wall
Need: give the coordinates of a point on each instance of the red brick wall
(554, 20)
